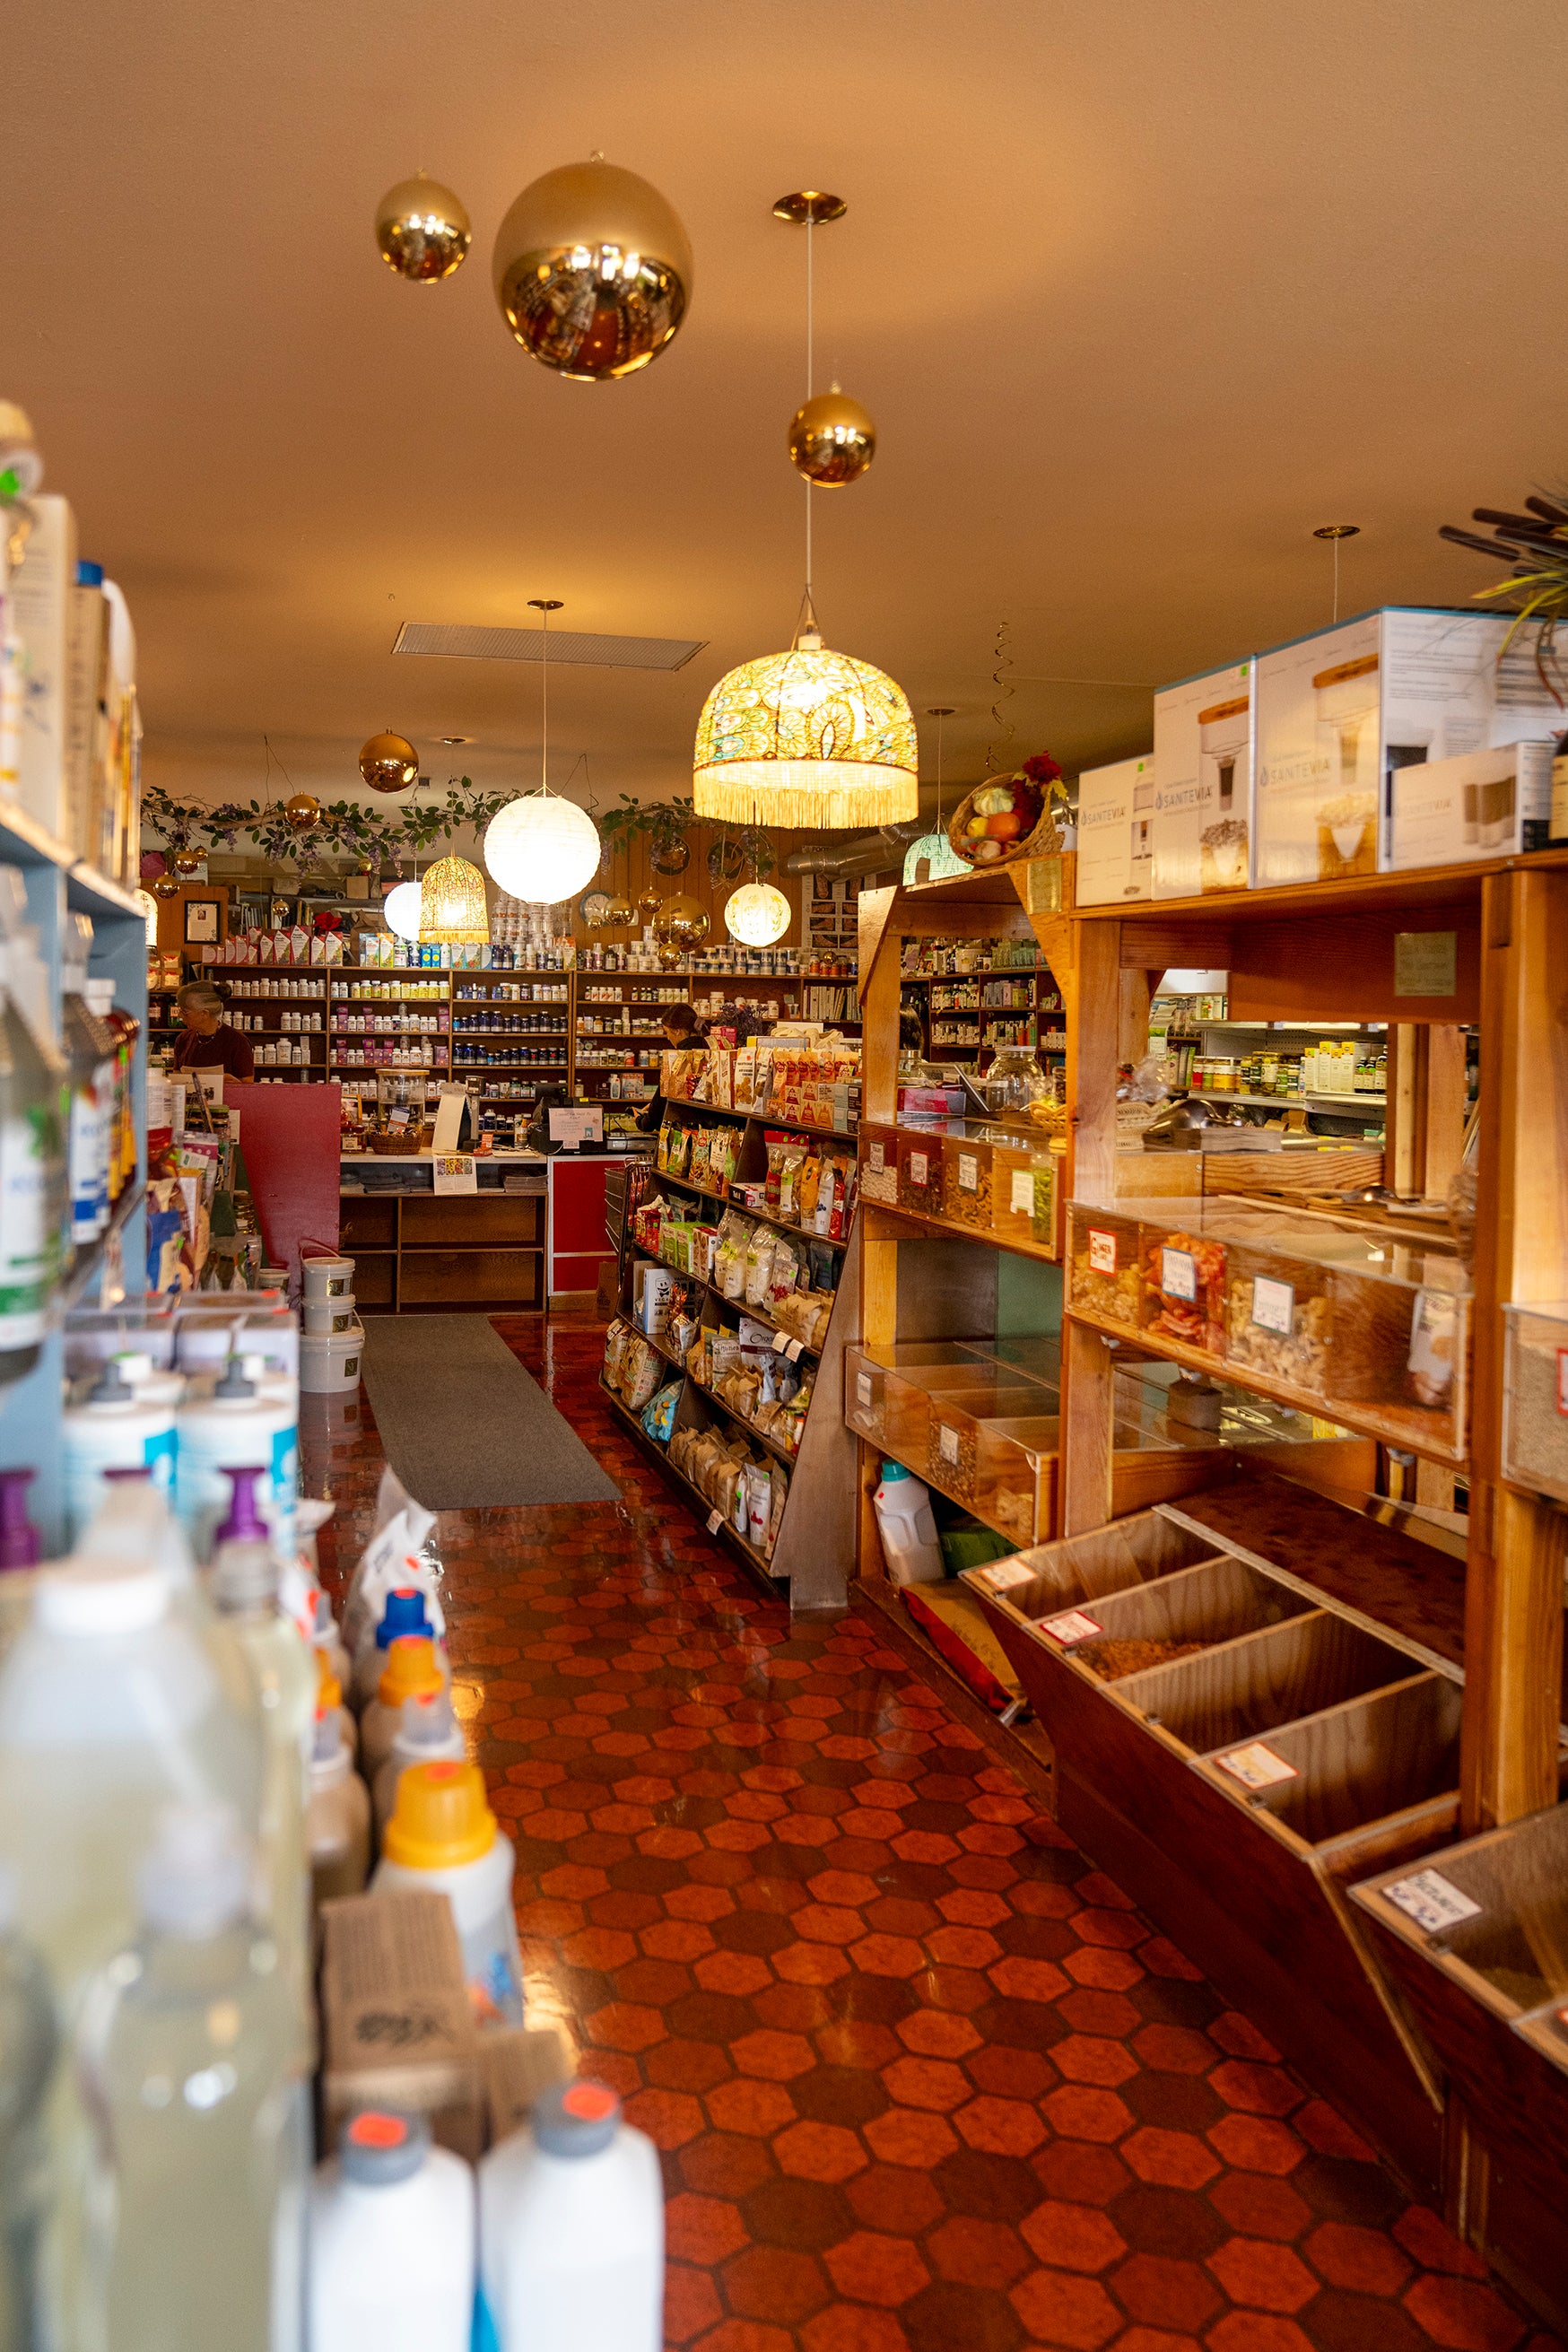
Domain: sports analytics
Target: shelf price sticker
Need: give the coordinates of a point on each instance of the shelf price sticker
(1023, 1195)
(1178, 1274)
(1070, 1628)
(1432, 1901)
(715, 1521)
(946, 1441)
(1257, 1767)
(780, 1341)
(876, 1154)
(1101, 1251)
(1273, 1305)
(1002, 1575)
(920, 1168)
(794, 1349)
(1562, 1380)
(968, 1172)
(863, 1390)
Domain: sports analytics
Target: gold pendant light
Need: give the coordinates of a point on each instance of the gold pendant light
(811, 738)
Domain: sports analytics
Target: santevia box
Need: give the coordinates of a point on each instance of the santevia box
(1341, 711)
(1481, 805)
(1203, 783)
(39, 612)
(1115, 832)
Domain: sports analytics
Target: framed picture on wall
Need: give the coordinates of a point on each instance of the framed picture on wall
(201, 922)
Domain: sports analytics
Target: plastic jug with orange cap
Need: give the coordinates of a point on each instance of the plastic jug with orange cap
(410, 1669)
(444, 1837)
(391, 2259)
(572, 2230)
(429, 1733)
(337, 1817)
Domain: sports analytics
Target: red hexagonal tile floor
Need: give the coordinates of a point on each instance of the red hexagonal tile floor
(921, 2083)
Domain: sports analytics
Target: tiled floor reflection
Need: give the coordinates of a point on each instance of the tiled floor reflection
(923, 2079)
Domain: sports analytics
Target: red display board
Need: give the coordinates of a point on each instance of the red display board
(578, 1242)
(289, 1139)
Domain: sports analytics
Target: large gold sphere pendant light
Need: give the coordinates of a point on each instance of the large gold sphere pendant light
(809, 738)
(593, 271)
(542, 847)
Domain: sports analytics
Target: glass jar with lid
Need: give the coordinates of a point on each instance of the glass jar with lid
(1014, 1081)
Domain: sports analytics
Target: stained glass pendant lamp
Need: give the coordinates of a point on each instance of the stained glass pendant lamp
(810, 738)
(932, 857)
(756, 914)
(540, 847)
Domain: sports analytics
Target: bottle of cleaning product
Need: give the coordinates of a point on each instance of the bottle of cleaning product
(33, 1199)
(190, 2042)
(90, 1051)
(428, 1733)
(327, 1642)
(337, 1820)
(410, 1670)
(20, 1543)
(245, 1586)
(29, 2044)
(907, 1526)
(111, 1427)
(391, 1557)
(572, 2230)
(405, 1612)
(143, 1378)
(443, 1836)
(391, 2242)
(236, 1424)
(111, 1708)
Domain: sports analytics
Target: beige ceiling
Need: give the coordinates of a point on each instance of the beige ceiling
(1138, 292)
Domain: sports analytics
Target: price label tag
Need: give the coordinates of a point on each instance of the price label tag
(946, 1441)
(1273, 1305)
(715, 1521)
(863, 1389)
(1101, 1251)
(920, 1173)
(1432, 1901)
(1257, 1767)
(1070, 1628)
(794, 1350)
(1562, 1380)
(780, 1341)
(877, 1156)
(1178, 1274)
(1002, 1575)
(968, 1172)
(1023, 1193)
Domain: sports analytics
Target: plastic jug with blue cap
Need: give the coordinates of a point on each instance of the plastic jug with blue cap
(406, 1610)
(908, 1527)
(572, 2230)
(391, 2249)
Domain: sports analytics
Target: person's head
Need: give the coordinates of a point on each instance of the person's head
(201, 1007)
(680, 1026)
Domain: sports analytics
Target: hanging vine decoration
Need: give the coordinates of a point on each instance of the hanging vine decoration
(345, 827)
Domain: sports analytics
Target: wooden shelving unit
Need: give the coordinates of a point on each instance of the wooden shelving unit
(1458, 1733)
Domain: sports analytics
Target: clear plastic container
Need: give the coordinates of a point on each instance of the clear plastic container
(921, 1174)
(1535, 1400)
(1184, 1288)
(880, 1164)
(1103, 1264)
(1024, 1191)
(966, 1152)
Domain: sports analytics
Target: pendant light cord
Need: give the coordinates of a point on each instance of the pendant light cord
(545, 708)
(810, 307)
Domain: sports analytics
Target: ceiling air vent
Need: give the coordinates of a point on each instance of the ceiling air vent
(456, 639)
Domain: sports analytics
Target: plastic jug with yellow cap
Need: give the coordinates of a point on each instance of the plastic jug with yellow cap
(411, 1669)
(444, 1837)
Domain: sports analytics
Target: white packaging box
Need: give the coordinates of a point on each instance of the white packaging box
(1481, 804)
(1115, 832)
(39, 606)
(655, 1285)
(1342, 711)
(1204, 737)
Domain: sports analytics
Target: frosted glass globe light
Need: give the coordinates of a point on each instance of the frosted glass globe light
(147, 906)
(756, 914)
(541, 848)
(401, 908)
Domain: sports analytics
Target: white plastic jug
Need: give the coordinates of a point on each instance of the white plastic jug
(240, 1424)
(112, 1427)
(428, 1733)
(391, 2242)
(391, 1557)
(443, 1837)
(572, 2230)
(907, 1528)
(407, 1609)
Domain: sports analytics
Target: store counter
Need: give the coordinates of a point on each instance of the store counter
(534, 1229)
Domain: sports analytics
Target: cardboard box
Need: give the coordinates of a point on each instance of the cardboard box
(1203, 767)
(1341, 712)
(519, 2063)
(40, 611)
(1481, 804)
(397, 2025)
(1116, 831)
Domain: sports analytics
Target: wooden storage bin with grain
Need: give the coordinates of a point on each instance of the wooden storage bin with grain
(1254, 1892)
(1402, 1348)
(921, 1170)
(966, 1179)
(1279, 1315)
(957, 1417)
(1103, 1264)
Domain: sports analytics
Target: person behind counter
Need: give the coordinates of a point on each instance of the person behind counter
(681, 1028)
(208, 1042)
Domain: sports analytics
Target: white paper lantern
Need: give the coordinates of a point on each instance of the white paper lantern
(541, 848)
(401, 908)
(148, 908)
(756, 914)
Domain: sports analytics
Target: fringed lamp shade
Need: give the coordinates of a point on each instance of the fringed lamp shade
(806, 739)
(756, 914)
(452, 912)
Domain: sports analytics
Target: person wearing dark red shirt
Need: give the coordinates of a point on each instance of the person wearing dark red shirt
(209, 1043)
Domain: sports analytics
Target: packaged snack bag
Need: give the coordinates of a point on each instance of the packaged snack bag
(658, 1415)
(759, 1265)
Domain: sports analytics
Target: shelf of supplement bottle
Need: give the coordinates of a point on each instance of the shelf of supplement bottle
(1355, 1102)
(543, 1032)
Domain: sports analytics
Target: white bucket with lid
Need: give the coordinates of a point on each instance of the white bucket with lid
(329, 1361)
(324, 1316)
(328, 1277)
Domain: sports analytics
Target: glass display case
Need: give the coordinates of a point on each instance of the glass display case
(1102, 1268)
(920, 1185)
(879, 1163)
(1535, 1400)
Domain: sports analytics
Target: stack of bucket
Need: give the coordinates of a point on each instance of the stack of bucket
(333, 1335)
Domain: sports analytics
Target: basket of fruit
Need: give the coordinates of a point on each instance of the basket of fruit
(1010, 817)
